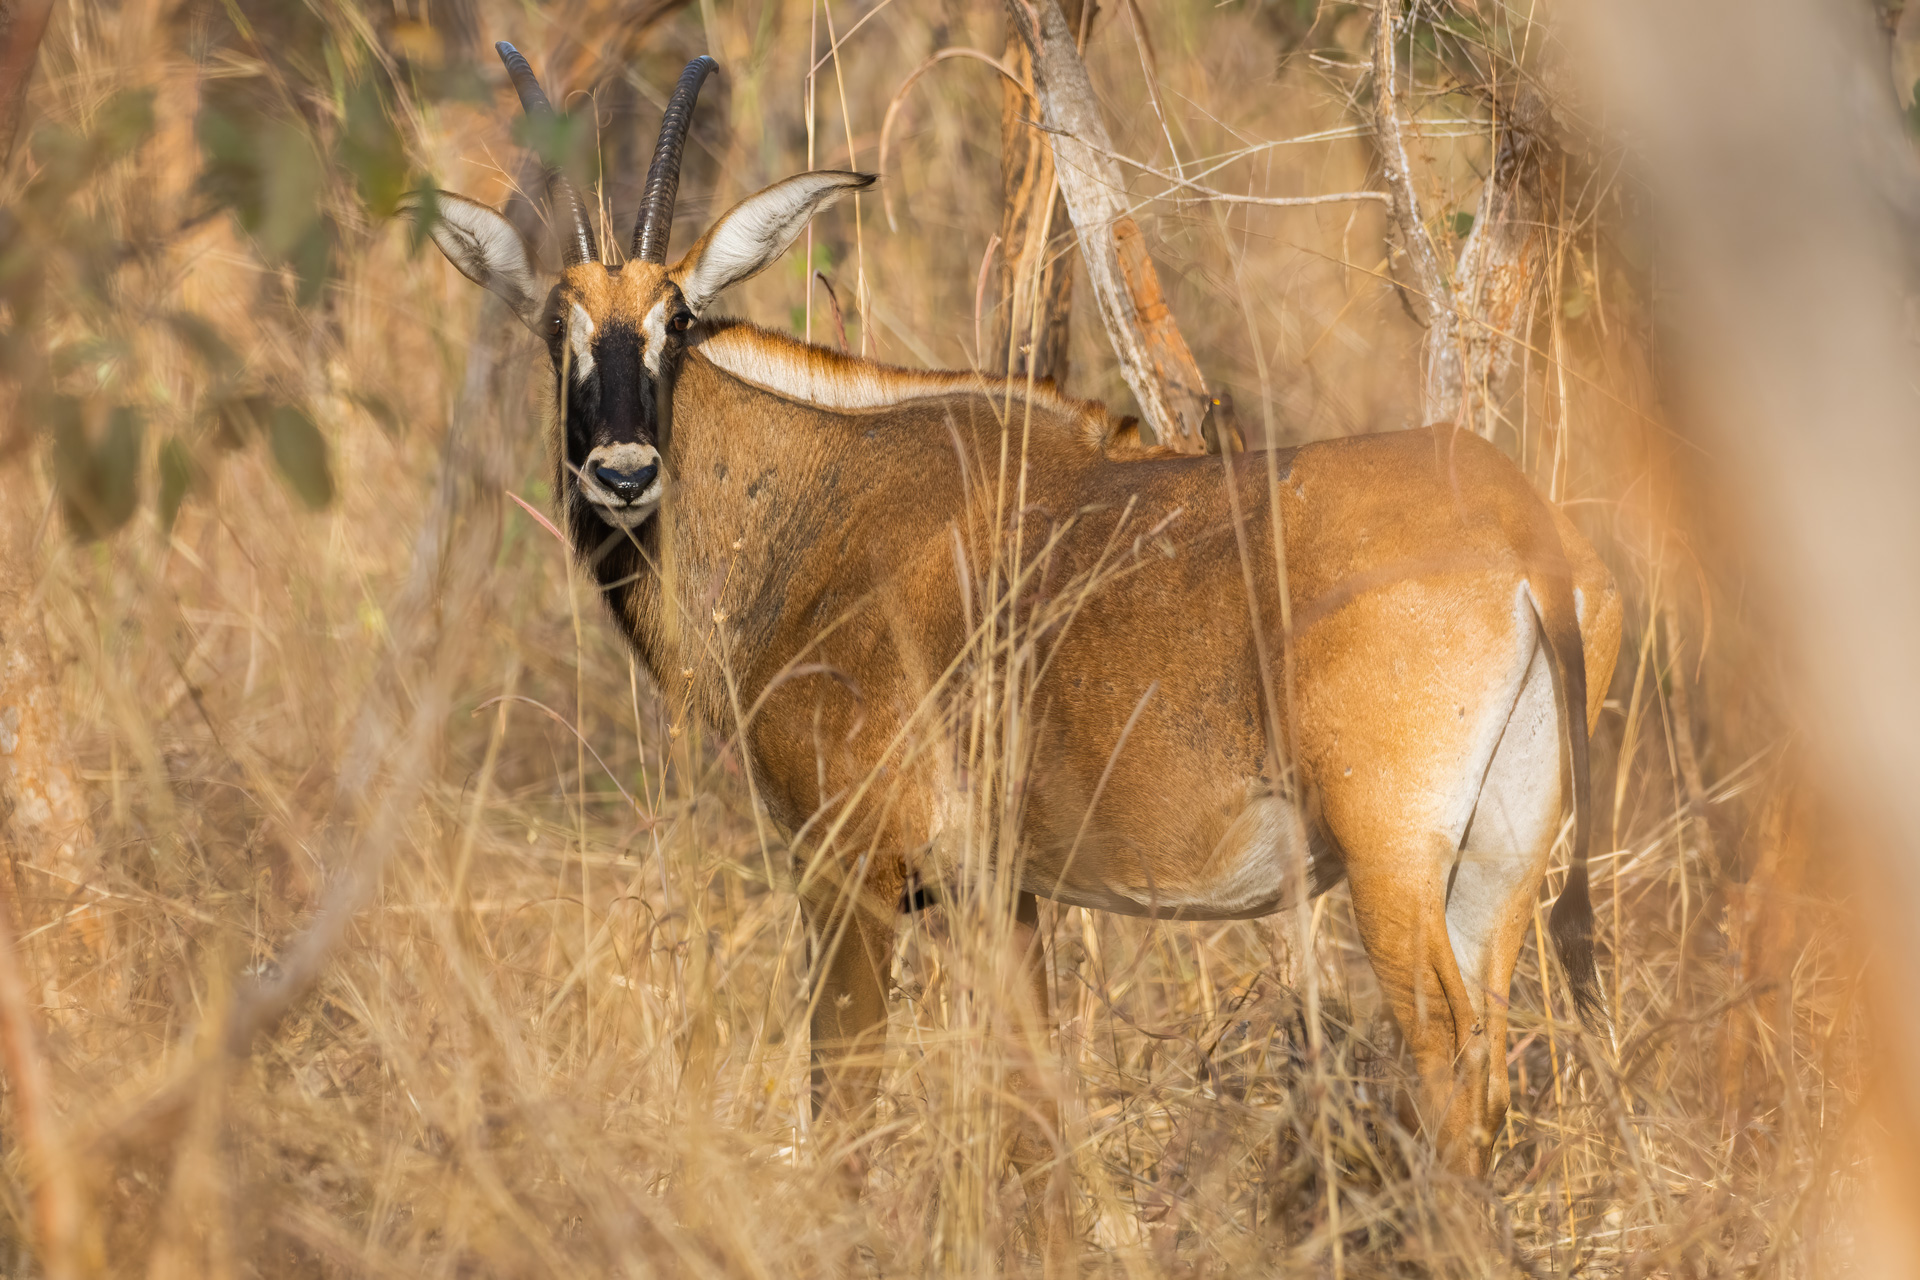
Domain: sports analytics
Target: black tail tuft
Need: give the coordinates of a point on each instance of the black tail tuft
(1572, 922)
(1571, 925)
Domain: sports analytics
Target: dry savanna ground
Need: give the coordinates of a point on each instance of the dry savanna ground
(334, 697)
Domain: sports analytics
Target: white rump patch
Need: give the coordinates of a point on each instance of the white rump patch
(1491, 718)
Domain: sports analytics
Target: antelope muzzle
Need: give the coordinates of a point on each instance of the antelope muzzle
(623, 482)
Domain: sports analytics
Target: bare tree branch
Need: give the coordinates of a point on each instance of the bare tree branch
(1036, 286)
(1154, 358)
(1478, 310)
(1433, 284)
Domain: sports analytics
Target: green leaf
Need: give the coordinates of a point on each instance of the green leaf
(179, 476)
(230, 169)
(61, 154)
(117, 465)
(553, 138)
(301, 453)
(371, 149)
(238, 420)
(425, 208)
(201, 338)
(290, 187)
(99, 483)
(124, 123)
(312, 261)
(1463, 224)
(268, 174)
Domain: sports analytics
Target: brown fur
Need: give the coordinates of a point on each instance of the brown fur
(1408, 559)
(818, 570)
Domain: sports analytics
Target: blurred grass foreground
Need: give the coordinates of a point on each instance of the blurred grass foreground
(373, 913)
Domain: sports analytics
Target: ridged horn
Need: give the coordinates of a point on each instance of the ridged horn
(577, 238)
(655, 223)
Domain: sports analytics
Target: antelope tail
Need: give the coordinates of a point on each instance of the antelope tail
(1571, 924)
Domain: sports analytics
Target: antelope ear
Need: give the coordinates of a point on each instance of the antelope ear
(485, 248)
(756, 231)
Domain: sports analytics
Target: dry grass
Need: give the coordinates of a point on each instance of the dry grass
(567, 1036)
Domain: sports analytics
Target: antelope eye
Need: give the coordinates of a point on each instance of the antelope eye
(681, 322)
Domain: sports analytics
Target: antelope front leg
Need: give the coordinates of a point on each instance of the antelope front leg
(851, 930)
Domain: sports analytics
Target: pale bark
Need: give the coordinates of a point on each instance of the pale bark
(43, 808)
(1432, 286)
(44, 828)
(1154, 359)
(1033, 223)
(1477, 311)
(66, 1245)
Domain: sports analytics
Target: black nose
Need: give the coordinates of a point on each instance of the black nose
(627, 485)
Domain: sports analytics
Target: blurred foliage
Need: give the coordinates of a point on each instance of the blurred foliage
(304, 154)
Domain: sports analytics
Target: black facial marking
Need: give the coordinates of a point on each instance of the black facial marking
(618, 401)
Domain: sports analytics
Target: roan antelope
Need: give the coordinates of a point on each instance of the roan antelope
(1449, 641)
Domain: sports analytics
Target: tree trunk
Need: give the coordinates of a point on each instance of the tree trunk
(43, 809)
(1477, 311)
(1153, 356)
(1034, 225)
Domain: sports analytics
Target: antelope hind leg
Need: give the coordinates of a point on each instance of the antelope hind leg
(1399, 903)
(1038, 1149)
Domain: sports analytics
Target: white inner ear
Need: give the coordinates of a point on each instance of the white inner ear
(484, 247)
(580, 333)
(754, 232)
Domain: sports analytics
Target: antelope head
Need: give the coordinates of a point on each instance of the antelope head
(617, 331)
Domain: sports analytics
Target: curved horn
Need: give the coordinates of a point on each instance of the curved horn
(578, 243)
(655, 223)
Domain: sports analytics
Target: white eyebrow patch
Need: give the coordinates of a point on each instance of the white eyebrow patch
(580, 333)
(654, 327)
